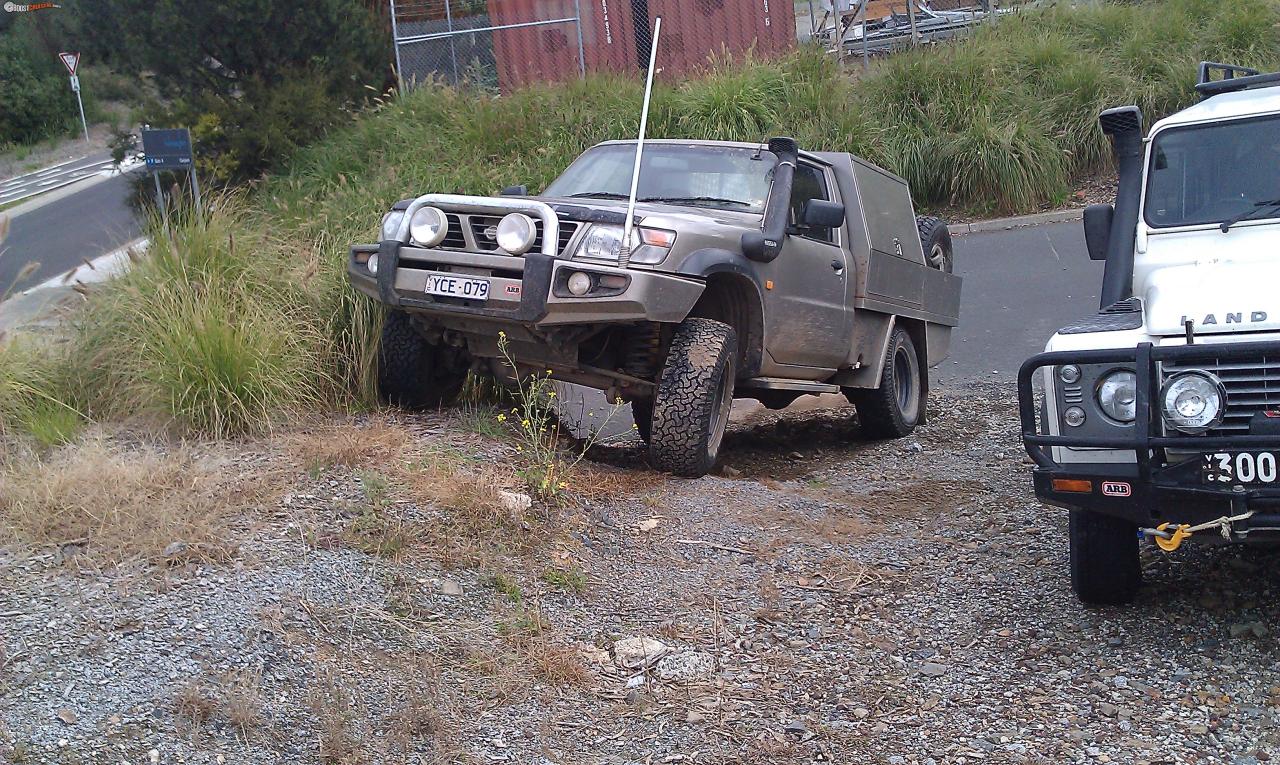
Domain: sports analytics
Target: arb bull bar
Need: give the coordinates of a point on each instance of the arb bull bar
(1152, 487)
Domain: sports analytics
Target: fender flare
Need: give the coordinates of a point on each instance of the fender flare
(717, 260)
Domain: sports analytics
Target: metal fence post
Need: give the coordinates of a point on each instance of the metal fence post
(866, 58)
(911, 15)
(582, 59)
(395, 46)
(453, 48)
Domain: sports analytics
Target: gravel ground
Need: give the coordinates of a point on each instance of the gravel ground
(824, 600)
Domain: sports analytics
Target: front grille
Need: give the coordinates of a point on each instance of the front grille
(481, 226)
(453, 238)
(1252, 385)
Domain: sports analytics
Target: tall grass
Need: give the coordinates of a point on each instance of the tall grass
(242, 315)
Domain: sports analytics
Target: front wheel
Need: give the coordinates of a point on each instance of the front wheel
(893, 409)
(414, 373)
(694, 397)
(1104, 558)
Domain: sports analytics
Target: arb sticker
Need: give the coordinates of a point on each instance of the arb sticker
(1117, 489)
(513, 289)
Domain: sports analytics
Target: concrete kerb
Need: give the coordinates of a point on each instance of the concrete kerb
(1003, 224)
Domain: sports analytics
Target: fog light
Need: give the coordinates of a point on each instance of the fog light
(372, 265)
(1070, 374)
(579, 283)
(1074, 416)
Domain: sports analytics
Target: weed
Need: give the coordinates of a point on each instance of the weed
(570, 579)
(506, 586)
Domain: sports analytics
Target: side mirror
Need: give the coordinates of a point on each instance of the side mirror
(515, 191)
(819, 213)
(1097, 230)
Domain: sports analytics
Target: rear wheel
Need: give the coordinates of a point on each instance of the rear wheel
(935, 239)
(694, 396)
(413, 373)
(893, 409)
(1104, 558)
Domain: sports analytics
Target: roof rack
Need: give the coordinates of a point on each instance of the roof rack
(1233, 78)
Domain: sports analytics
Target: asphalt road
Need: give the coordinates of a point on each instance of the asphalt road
(1020, 286)
(46, 179)
(62, 234)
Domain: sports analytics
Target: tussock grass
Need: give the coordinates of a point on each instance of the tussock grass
(242, 316)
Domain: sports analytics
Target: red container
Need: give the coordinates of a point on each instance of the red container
(694, 32)
(549, 52)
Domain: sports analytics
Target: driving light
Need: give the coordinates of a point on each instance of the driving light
(516, 233)
(1193, 401)
(429, 226)
(579, 283)
(1069, 374)
(1117, 395)
(391, 224)
(372, 264)
(1074, 416)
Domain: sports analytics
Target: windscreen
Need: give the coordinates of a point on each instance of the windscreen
(1214, 173)
(702, 176)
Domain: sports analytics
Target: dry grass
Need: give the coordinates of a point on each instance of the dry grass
(235, 698)
(122, 504)
(347, 445)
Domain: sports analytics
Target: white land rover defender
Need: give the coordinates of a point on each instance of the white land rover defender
(1160, 415)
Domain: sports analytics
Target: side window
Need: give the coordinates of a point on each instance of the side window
(809, 184)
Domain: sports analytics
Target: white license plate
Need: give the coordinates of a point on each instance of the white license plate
(1241, 468)
(447, 285)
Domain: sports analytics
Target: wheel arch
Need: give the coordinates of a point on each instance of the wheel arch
(733, 296)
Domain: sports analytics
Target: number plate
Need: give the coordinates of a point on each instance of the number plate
(457, 286)
(1259, 468)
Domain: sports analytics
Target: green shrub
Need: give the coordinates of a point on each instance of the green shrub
(35, 100)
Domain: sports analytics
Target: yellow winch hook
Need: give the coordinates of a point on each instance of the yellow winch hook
(1174, 540)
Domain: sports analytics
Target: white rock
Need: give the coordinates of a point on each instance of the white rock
(637, 652)
(450, 587)
(514, 502)
(685, 667)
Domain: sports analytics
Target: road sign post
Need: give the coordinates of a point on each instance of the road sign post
(72, 61)
(170, 149)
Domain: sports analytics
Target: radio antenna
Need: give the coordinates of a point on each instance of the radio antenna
(624, 252)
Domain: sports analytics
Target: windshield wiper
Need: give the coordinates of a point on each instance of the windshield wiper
(695, 200)
(1247, 214)
(597, 195)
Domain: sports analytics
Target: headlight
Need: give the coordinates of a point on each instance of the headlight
(428, 227)
(602, 243)
(1193, 401)
(391, 224)
(1117, 395)
(516, 233)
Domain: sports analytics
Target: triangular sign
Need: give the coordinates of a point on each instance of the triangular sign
(70, 60)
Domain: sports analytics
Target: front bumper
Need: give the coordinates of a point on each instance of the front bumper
(1161, 483)
(522, 289)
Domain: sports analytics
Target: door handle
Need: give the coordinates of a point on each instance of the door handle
(837, 266)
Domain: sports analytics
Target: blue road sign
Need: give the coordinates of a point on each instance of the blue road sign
(168, 149)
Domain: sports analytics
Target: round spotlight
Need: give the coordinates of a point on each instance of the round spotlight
(372, 265)
(1193, 401)
(579, 283)
(1074, 416)
(429, 226)
(516, 233)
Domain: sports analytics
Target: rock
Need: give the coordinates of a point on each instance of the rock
(1107, 710)
(693, 716)
(649, 524)
(174, 550)
(862, 713)
(1244, 629)
(515, 502)
(730, 472)
(1120, 681)
(797, 728)
(635, 681)
(684, 667)
(67, 716)
(933, 669)
(450, 587)
(638, 652)
(795, 456)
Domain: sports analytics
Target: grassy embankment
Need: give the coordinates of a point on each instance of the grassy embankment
(244, 316)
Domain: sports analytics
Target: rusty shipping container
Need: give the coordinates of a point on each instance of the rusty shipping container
(616, 35)
(550, 52)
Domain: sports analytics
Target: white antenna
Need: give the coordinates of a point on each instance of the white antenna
(624, 252)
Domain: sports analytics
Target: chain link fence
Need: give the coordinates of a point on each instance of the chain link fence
(505, 44)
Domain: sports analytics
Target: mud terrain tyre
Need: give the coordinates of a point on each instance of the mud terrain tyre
(413, 373)
(935, 239)
(642, 415)
(694, 396)
(892, 410)
(1104, 558)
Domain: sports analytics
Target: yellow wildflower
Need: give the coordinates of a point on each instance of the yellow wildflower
(502, 418)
